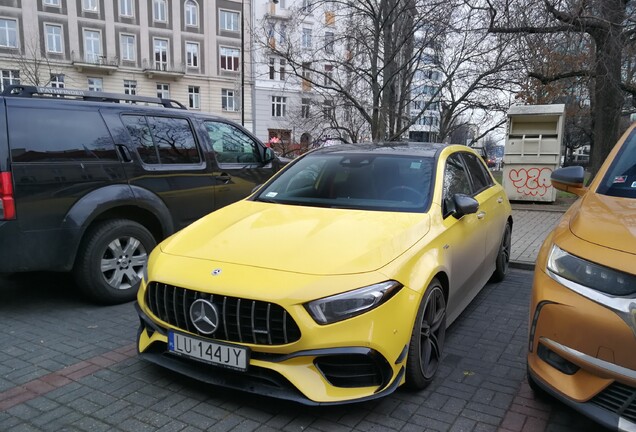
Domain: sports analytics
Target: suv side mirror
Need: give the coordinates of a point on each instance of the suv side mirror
(269, 155)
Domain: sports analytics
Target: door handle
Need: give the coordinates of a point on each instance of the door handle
(481, 215)
(500, 200)
(223, 178)
(124, 153)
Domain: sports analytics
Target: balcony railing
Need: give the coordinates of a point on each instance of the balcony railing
(163, 69)
(91, 62)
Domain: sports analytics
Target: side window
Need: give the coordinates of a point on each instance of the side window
(230, 144)
(174, 140)
(481, 179)
(140, 134)
(455, 180)
(60, 135)
(162, 140)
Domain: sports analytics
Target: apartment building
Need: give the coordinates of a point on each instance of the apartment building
(188, 50)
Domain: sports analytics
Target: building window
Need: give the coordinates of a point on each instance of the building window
(130, 87)
(279, 106)
(192, 54)
(56, 80)
(127, 47)
(92, 46)
(328, 109)
(306, 5)
(51, 3)
(328, 75)
(53, 38)
(281, 69)
(126, 8)
(228, 100)
(90, 5)
(191, 13)
(95, 84)
(272, 68)
(194, 97)
(329, 42)
(306, 38)
(159, 11)
(163, 90)
(9, 77)
(306, 74)
(8, 33)
(230, 58)
(229, 20)
(304, 107)
(282, 34)
(161, 54)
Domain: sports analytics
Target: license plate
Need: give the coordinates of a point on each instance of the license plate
(230, 356)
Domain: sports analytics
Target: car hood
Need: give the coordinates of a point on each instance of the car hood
(309, 240)
(606, 221)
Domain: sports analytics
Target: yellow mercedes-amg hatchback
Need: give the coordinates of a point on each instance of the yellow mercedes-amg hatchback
(582, 346)
(336, 280)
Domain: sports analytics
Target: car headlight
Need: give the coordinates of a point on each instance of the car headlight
(351, 303)
(589, 274)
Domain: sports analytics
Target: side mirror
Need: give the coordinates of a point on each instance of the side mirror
(269, 155)
(463, 205)
(569, 179)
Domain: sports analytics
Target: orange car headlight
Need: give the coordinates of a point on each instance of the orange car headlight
(589, 274)
(351, 303)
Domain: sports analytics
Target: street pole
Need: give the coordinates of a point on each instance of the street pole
(242, 62)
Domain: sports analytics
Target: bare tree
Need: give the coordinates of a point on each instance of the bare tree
(368, 66)
(608, 30)
(35, 68)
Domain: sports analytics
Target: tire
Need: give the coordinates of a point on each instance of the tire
(427, 339)
(503, 256)
(111, 260)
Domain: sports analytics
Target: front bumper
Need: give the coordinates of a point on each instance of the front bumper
(582, 353)
(313, 376)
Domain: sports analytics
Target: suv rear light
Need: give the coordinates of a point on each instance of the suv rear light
(7, 204)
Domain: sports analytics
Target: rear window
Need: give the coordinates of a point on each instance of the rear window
(620, 180)
(45, 135)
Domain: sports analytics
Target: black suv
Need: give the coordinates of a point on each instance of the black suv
(89, 183)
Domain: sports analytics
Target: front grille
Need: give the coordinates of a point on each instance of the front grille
(240, 320)
(619, 399)
(352, 370)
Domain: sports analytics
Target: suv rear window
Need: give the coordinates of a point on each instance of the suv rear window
(162, 140)
(45, 135)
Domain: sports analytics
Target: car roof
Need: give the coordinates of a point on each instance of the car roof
(401, 148)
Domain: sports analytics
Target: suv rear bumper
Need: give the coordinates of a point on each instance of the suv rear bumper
(50, 250)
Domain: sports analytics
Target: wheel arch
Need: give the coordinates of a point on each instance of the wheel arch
(116, 202)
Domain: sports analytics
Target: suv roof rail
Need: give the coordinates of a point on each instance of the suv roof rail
(87, 95)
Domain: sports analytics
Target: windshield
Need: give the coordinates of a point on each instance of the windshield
(356, 181)
(620, 180)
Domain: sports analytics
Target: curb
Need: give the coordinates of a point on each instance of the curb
(523, 265)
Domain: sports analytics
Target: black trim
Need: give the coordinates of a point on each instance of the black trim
(599, 415)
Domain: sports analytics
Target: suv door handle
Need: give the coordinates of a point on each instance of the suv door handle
(481, 215)
(124, 153)
(223, 178)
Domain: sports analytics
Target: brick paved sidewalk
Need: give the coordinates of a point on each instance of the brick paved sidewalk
(68, 366)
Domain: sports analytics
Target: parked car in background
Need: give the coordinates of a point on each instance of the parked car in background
(91, 185)
(336, 280)
(582, 341)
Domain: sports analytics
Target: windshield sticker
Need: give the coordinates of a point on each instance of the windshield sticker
(416, 165)
(620, 179)
(271, 194)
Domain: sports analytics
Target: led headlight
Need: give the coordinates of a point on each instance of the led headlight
(589, 274)
(349, 304)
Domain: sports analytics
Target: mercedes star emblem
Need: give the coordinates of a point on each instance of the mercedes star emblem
(204, 316)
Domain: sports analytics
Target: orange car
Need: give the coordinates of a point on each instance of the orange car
(582, 333)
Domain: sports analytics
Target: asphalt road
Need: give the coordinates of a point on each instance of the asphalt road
(69, 365)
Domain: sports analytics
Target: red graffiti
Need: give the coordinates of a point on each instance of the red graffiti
(532, 181)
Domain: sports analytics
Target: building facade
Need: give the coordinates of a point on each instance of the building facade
(187, 50)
